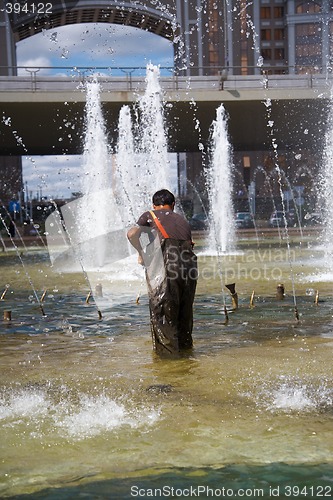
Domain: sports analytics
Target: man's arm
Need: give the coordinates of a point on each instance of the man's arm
(133, 235)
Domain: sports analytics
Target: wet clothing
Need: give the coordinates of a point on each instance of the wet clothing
(171, 295)
(175, 225)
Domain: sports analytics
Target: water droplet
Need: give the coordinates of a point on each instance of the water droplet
(260, 61)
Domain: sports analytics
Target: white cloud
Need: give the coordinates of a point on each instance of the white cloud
(95, 45)
(37, 63)
(60, 176)
(53, 176)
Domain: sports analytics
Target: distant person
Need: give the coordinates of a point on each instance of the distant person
(11, 229)
(171, 273)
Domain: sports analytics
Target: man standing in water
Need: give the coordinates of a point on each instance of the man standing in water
(171, 273)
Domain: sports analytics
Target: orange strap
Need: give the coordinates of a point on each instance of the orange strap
(159, 225)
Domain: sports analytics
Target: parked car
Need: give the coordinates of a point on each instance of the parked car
(199, 222)
(244, 220)
(312, 219)
(276, 219)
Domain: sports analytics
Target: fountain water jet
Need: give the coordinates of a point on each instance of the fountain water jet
(125, 173)
(94, 208)
(219, 180)
(142, 156)
(326, 187)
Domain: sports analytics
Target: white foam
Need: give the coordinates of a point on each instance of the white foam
(90, 417)
(24, 403)
(296, 395)
(96, 415)
(291, 398)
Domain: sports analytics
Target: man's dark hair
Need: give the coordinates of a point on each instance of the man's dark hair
(163, 197)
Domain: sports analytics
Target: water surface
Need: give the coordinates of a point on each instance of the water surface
(87, 409)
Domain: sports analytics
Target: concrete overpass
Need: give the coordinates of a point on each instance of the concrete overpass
(44, 115)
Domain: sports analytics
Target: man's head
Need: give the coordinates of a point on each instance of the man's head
(163, 198)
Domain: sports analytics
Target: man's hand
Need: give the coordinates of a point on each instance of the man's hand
(134, 237)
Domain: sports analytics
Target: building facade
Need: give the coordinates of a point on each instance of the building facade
(273, 37)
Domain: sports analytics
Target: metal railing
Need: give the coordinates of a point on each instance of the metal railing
(73, 79)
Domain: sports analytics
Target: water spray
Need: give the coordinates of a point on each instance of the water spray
(12, 221)
(23, 265)
(7, 121)
(78, 258)
(268, 105)
(4, 248)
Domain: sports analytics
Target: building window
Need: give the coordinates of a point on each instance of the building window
(307, 30)
(265, 12)
(266, 54)
(246, 162)
(266, 35)
(308, 50)
(279, 34)
(278, 12)
(308, 8)
(308, 47)
(244, 56)
(279, 54)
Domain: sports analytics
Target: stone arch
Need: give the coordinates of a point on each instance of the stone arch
(136, 14)
(154, 16)
(200, 36)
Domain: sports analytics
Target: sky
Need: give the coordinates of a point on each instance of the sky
(97, 45)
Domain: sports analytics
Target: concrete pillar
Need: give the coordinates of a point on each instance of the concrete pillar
(291, 36)
(7, 45)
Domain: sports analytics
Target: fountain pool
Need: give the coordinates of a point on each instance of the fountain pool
(87, 409)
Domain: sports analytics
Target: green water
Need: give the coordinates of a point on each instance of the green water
(87, 410)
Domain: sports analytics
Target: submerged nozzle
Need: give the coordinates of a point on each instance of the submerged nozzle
(88, 297)
(234, 296)
(231, 287)
(226, 314)
(296, 314)
(7, 315)
(280, 292)
(317, 297)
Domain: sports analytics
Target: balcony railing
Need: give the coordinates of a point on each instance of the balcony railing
(73, 79)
